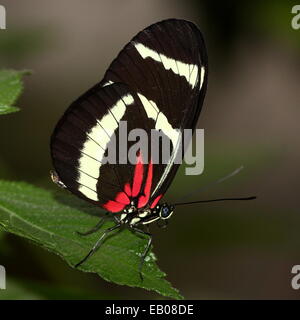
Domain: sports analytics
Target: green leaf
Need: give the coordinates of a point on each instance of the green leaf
(50, 220)
(8, 109)
(11, 87)
(2, 233)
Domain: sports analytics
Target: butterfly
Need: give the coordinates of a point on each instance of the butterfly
(156, 83)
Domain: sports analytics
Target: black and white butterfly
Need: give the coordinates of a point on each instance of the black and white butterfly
(157, 82)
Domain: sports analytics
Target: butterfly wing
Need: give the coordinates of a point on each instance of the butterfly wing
(166, 64)
(163, 75)
(91, 127)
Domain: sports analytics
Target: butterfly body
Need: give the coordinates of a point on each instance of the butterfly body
(135, 217)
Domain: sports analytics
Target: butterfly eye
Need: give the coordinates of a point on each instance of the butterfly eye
(165, 212)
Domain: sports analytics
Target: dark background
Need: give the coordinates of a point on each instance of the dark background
(232, 250)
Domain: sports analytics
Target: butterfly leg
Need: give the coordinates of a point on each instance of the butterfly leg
(146, 251)
(97, 244)
(95, 228)
(162, 223)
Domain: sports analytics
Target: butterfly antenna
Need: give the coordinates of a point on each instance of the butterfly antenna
(213, 200)
(233, 173)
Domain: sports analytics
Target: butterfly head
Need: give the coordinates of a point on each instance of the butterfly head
(166, 211)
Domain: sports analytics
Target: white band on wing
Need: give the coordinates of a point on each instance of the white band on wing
(189, 71)
(92, 152)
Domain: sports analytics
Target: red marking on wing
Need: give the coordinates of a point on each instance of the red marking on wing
(143, 200)
(127, 189)
(122, 198)
(113, 206)
(138, 176)
(155, 201)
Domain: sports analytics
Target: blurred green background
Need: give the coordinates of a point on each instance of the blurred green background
(232, 250)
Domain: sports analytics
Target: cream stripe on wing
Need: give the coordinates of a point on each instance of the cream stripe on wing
(178, 67)
(161, 121)
(202, 76)
(92, 154)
